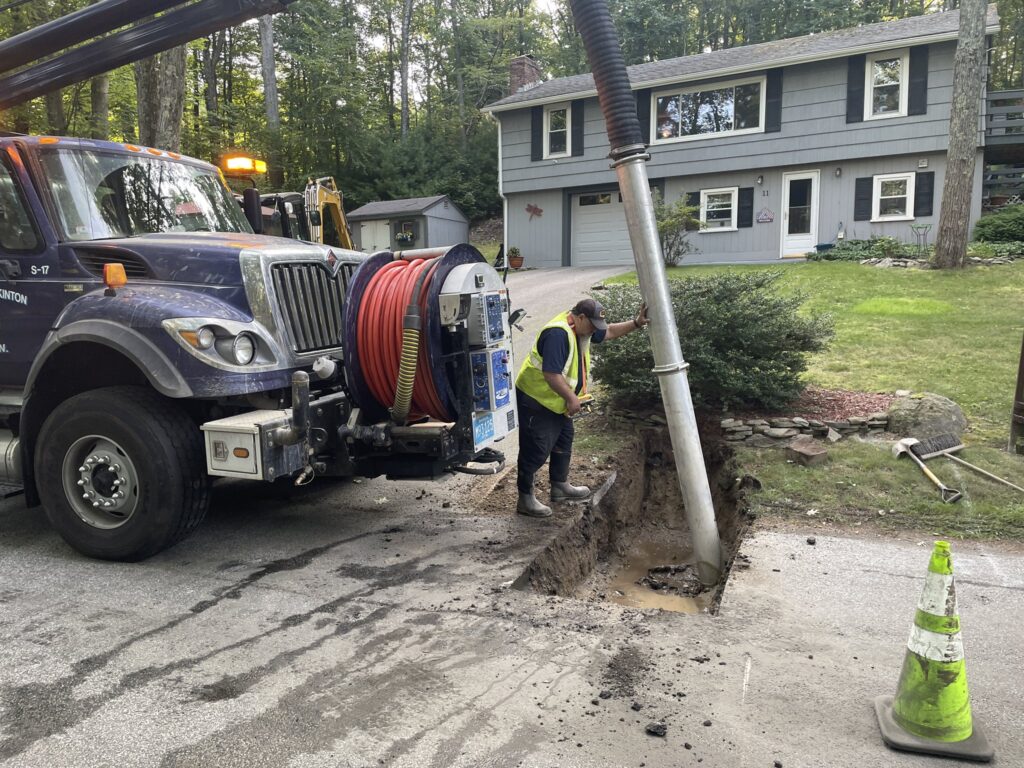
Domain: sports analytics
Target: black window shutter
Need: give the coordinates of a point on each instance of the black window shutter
(863, 190)
(643, 112)
(577, 127)
(745, 207)
(855, 89)
(693, 201)
(924, 191)
(773, 102)
(537, 133)
(917, 98)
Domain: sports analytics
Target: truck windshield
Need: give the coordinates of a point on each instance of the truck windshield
(101, 195)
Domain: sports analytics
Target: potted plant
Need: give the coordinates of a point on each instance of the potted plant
(515, 258)
(404, 238)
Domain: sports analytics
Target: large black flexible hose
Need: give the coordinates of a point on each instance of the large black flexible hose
(601, 40)
(629, 153)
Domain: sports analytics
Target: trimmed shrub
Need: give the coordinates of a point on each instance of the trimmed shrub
(746, 344)
(1002, 226)
(858, 250)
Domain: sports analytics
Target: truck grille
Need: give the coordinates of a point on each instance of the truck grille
(311, 300)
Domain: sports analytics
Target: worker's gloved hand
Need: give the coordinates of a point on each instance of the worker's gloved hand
(641, 318)
(573, 406)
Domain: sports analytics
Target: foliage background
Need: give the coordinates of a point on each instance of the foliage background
(339, 74)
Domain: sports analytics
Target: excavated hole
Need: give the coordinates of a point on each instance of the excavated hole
(632, 547)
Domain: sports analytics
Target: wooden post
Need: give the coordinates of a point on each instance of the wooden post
(1017, 419)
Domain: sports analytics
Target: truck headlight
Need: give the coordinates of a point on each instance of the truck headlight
(205, 337)
(243, 349)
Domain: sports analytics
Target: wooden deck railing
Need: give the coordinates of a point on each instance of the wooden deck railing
(1004, 117)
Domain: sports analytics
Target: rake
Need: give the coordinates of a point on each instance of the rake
(946, 445)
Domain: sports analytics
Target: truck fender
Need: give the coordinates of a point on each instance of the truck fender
(162, 376)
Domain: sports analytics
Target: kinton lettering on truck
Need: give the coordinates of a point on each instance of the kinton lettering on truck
(17, 298)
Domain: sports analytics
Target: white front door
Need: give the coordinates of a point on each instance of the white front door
(376, 236)
(799, 213)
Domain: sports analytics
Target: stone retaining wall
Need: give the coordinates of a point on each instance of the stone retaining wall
(777, 432)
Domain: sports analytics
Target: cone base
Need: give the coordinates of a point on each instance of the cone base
(974, 748)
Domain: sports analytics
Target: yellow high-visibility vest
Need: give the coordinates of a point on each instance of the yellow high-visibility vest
(531, 375)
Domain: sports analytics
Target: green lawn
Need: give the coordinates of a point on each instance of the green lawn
(954, 333)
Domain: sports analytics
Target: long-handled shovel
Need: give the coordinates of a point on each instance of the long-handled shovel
(902, 448)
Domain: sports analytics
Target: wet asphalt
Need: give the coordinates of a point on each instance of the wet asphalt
(373, 623)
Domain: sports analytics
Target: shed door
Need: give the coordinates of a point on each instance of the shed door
(599, 233)
(376, 236)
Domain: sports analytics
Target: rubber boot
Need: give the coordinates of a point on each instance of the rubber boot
(566, 492)
(529, 506)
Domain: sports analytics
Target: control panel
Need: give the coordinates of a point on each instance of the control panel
(474, 297)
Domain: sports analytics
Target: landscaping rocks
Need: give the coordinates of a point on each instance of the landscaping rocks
(807, 451)
(917, 415)
(926, 415)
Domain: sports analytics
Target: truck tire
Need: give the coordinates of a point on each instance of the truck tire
(121, 472)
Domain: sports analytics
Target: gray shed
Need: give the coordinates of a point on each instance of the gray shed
(430, 221)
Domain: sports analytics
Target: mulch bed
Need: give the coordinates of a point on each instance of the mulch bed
(830, 405)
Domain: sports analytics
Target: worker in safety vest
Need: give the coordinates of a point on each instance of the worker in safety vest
(549, 386)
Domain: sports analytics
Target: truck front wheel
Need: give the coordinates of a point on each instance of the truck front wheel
(121, 473)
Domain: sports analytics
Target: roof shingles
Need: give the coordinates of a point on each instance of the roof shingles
(758, 56)
(411, 206)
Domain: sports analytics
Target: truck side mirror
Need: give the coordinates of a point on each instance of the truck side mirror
(253, 209)
(314, 218)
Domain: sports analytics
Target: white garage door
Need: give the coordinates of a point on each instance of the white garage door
(599, 234)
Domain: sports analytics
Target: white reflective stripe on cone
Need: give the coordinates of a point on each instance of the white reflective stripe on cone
(936, 591)
(935, 646)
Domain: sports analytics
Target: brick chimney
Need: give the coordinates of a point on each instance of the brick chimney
(523, 72)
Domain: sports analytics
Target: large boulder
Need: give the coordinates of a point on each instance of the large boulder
(926, 415)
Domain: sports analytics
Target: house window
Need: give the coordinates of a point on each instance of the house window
(603, 198)
(696, 113)
(557, 120)
(893, 198)
(718, 209)
(885, 85)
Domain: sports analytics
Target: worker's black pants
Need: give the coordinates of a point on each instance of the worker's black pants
(543, 434)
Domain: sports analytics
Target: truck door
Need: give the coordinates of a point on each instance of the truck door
(31, 291)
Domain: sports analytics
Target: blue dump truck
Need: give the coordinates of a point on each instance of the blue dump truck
(150, 342)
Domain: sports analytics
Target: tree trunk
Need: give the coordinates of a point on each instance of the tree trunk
(968, 81)
(99, 118)
(160, 90)
(406, 24)
(211, 55)
(276, 178)
(56, 118)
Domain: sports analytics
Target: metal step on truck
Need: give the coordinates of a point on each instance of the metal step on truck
(150, 342)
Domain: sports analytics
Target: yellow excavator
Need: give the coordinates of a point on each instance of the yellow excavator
(316, 215)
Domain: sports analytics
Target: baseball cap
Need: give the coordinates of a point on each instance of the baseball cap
(593, 310)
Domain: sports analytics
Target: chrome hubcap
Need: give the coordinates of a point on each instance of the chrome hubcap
(100, 482)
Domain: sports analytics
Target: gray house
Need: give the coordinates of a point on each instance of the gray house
(783, 146)
(400, 225)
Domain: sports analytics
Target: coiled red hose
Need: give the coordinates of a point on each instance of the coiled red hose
(380, 335)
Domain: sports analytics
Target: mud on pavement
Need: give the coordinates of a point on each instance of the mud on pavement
(631, 544)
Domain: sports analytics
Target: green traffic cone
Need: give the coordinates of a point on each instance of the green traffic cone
(931, 712)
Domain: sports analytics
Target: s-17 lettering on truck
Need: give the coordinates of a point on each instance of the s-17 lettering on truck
(149, 342)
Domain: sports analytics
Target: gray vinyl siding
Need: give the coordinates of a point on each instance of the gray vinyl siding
(446, 225)
(446, 231)
(763, 242)
(540, 240)
(814, 131)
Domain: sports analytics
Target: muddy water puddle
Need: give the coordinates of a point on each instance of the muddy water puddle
(646, 566)
(632, 545)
